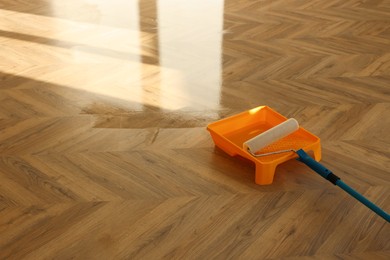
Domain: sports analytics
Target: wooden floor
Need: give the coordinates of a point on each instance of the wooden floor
(104, 152)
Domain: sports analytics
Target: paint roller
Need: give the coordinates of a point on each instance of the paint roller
(288, 127)
(270, 136)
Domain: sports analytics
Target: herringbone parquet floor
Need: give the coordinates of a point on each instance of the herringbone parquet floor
(104, 152)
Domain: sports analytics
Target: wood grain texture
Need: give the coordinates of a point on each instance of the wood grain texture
(104, 152)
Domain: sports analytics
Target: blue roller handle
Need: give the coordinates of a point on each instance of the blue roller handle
(327, 174)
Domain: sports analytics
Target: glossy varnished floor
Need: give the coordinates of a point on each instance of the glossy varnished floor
(104, 152)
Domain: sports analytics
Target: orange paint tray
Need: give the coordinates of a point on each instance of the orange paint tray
(230, 133)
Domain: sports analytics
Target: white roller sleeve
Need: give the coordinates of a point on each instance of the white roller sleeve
(271, 135)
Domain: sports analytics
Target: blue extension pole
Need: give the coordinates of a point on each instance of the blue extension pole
(327, 174)
(363, 200)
